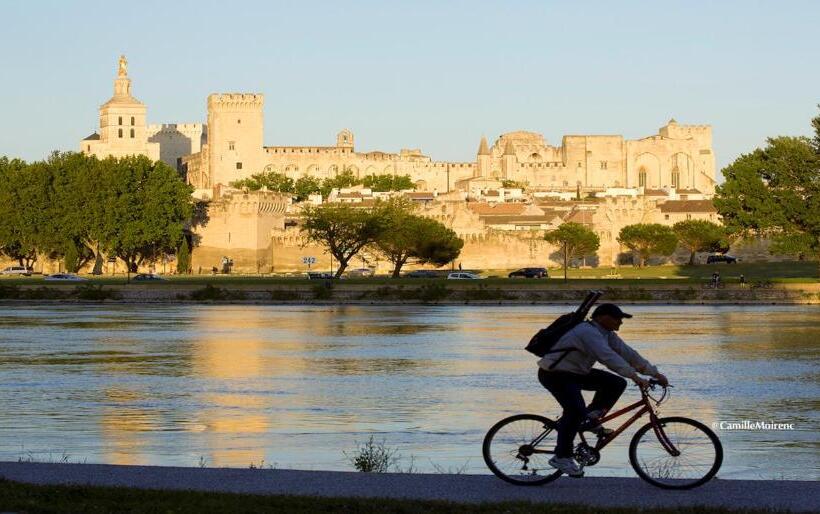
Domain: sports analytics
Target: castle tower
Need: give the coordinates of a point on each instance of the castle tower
(484, 162)
(344, 139)
(122, 124)
(509, 162)
(235, 147)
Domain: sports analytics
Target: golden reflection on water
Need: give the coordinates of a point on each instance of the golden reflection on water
(124, 426)
(239, 358)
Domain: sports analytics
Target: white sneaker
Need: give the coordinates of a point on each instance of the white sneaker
(567, 465)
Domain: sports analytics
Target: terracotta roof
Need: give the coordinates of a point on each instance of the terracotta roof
(349, 195)
(688, 206)
(502, 209)
(420, 195)
(582, 216)
(688, 192)
(492, 193)
(655, 192)
(519, 220)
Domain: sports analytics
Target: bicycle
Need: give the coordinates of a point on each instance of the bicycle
(670, 453)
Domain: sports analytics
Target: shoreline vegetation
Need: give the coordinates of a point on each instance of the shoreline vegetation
(764, 283)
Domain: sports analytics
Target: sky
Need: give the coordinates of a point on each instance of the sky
(434, 75)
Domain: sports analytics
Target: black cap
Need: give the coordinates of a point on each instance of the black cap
(610, 309)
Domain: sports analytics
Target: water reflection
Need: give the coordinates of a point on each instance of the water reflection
(296, 385)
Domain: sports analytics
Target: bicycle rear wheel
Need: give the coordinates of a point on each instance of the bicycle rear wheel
(516, 449)
(689, 456)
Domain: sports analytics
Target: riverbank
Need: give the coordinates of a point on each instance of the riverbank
(388, 492)
(490, 292)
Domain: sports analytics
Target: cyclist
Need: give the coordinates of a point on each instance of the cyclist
(567, 370)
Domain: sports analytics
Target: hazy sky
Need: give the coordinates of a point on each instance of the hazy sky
(433, 75)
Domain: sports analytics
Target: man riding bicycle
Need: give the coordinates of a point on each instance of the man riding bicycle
(567, 370)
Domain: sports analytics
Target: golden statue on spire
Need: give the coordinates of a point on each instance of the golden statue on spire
(123, 68)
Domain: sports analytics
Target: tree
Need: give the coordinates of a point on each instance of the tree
(27, 212)
(344, 230)
(184, 258)
(271, 180)
(410, 237)
(306, 186)
(775, 192)
(648, 239)
(699, 236)
(575, 241)
(512, 184)
(146, 209)
(388, 182)
(340, 181)
(71, 258)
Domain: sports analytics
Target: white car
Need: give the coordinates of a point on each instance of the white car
(360, 272)
(463, 275)
(65, 277)
(17, 270)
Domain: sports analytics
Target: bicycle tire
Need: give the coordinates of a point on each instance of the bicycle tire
(683, 483)
(488, 450)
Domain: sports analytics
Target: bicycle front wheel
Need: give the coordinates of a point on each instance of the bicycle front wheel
(681, 454)
(517, 449)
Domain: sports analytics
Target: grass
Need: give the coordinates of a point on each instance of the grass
(17, 497)
(789, 271)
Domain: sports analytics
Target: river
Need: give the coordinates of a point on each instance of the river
(301, 386)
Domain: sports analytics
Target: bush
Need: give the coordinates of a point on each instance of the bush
(9, 292)
(373, 457)
(93, 293)
(212, 293)
(323, 291)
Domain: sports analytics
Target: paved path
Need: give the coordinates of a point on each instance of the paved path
(612, 492)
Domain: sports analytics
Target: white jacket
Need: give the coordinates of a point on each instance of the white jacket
(593, 343)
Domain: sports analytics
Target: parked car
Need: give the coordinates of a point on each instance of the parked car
(529, 273)
(360, 272)
(319, 275)
(463, 275)
(422, 273)
(147, 277)
(17, 270)
(717, 258)
(65, 277)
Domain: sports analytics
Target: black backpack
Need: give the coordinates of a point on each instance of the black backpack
(544, 340)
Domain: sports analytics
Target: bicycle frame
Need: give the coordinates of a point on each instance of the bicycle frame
(643, 405)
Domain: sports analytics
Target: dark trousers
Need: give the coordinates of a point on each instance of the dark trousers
(566, 388)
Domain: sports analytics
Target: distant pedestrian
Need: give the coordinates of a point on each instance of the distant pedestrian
(742, 280)
(459, 266)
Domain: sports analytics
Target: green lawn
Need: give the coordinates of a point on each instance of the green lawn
(17, 497)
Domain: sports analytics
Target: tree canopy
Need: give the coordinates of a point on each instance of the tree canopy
(131, 208)
(648, 239)
(308, 185)
(700, 236)
(413, 238)
(575, 241)
(343, 229)
(775, 192)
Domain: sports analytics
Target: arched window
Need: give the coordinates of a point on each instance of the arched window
(642, 177)
(132, 120)
(120, 132)
(675, 177)
(120, 120)
(132, 133)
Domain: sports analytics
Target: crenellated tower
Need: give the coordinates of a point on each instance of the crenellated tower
(235, 136)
